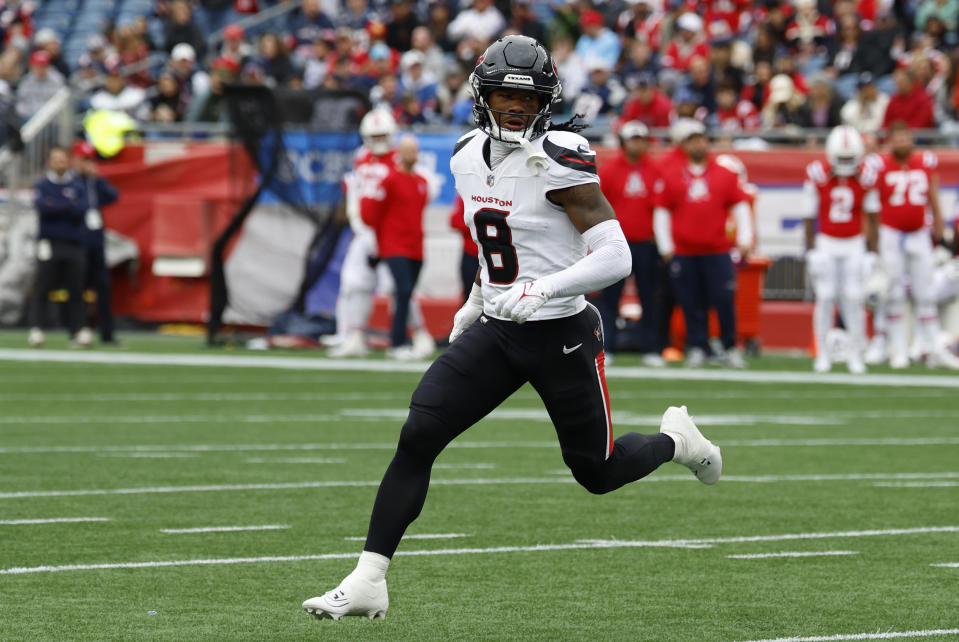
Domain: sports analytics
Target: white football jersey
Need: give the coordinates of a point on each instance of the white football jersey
(522, 236)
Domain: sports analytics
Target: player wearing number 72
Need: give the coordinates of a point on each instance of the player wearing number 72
(548, 236)
(837, 193)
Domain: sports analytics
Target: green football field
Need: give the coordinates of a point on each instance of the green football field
(168, 492)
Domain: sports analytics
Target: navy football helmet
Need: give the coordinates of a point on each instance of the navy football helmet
(516, 62)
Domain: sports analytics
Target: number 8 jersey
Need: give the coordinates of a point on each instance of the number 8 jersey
(839, 201)
(521, 234)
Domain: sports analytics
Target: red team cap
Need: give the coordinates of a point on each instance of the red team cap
(39, 58)
(591, 18)
(83, 149)
(233, 32)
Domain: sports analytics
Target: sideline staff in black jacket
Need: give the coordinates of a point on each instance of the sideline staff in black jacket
(61, 203)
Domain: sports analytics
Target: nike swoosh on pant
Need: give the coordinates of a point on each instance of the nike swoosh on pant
(573, 349)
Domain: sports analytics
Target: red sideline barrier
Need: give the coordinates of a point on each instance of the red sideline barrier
(172, 207)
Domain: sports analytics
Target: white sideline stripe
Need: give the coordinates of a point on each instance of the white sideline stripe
(207, 396)
(224, 529)
(52, 520)
(947, 565)
(930, 484)
(170, 419)
(296, 460)
(893, 441)
(784, 538)
(418, 536)
(888, 635)
(477, 466)
(361, 365)
(156, 455)
(580, 545)
(454, 482)
(619, 418)
(762, 556)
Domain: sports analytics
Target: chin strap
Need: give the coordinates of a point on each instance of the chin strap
(536, 159)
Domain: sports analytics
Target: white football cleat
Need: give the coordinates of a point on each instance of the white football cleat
(856, 366)
(733, 358)
(354, 596)
(36, 338)
(821, 363)
(83, 338)
(402, 353)
(423, 345)
(354, 345)
(695, 358)
(942, 358)
(654, 360)
(876, 352)
(899, 362)
(692, 449)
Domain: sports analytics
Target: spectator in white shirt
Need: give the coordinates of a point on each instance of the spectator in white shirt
(117, 95)
(866, 110)
(483, 21)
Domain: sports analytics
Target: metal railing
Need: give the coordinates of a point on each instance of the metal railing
(51, 126)
(252, 23)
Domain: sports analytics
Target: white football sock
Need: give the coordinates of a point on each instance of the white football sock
(927, 327)
(822, 322)
(357, 306)
(854, 316)
(371, 566)
(896, 330)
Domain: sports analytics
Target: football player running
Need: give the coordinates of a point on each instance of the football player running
(547, 237)
(360, 272)
(908, 185)
(837, 194)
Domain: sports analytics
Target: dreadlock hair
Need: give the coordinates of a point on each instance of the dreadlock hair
(569, 126)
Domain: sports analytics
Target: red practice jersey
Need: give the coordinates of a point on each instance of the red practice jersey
(631, 188)
(904, 190)
(368, 173)
(397, 216)
(458, 223)
(699, 205)
(841, 198)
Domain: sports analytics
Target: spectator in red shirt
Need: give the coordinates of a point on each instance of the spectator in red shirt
(397, 219)
(648, 105)
(910, 104)
(688, 42)
(690, 229)
(630, 183)
(469, 262)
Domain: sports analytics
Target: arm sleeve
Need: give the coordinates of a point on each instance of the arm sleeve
(810, 199)
(663, 230)
(870, 203)
(609, 261)
(744, 223)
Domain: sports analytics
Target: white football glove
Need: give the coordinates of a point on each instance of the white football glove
(521, 301)
(468, 314)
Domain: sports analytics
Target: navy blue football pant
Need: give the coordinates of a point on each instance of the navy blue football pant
(469, 265)
(405, 272)
(646, 271)
(65, 268)
(563, 360)
(98, 277)
(703, 282)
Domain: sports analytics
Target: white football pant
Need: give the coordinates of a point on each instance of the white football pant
(358, 282)
(836, 267)
(908, 257)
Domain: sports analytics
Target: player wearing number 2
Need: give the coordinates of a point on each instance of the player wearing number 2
(838, 193)
(548, 236)
(909, 186)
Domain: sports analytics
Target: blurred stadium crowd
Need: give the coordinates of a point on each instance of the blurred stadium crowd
(736, 65)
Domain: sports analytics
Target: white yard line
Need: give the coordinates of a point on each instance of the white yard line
(156, 455)
(892, 441)
(580, 545)
(418, 536)
(340, 365)
(223, 529)
(52, 520)
(947, 565)
(888, 635)
(929, 484)
(519, 481)
(477, 466)
(296, 460)
(763, 556)
(207, 396)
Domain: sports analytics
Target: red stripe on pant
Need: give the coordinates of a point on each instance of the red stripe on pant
(601, 374)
